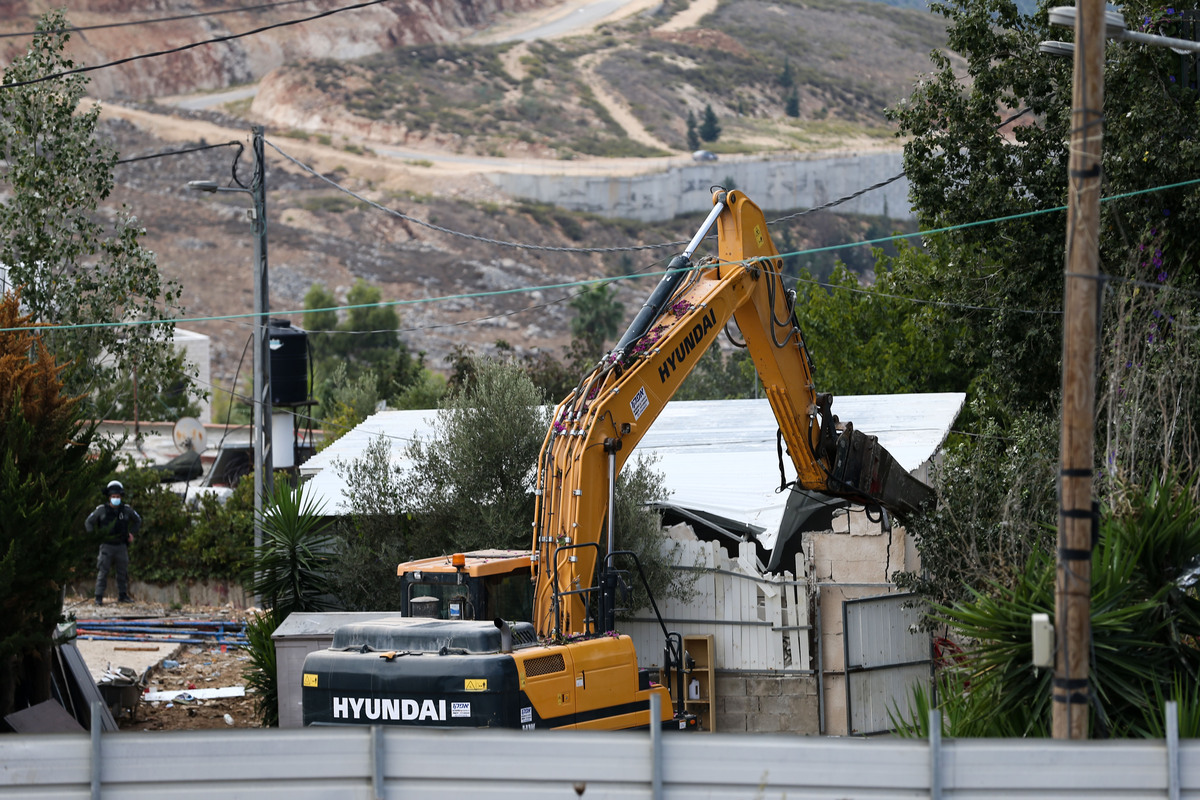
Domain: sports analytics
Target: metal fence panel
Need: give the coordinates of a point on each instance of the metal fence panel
(402, 763)
(886, 654)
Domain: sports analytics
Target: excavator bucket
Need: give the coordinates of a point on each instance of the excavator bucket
(862, 466)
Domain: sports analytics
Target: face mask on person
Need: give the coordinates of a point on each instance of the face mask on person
(115, 500)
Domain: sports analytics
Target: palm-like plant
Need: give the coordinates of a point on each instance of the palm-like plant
(289, 575)
(1145, 624)
(290, 566)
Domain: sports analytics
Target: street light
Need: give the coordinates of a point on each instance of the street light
(1077, 513)
(1114, 28)
(261, 403)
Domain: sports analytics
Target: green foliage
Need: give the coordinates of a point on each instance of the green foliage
(376, 533)
(791, 105)
(996, 508)
(869, 342)
(167, 394)
(693, 138)
(471, 482)
(360, 360)
(73, 267)
(344, 402)
(598, 316)
(1145, 620)
(261, 674)
(290, 565)
(710, 128)
(50, 471)
(721, 375)
(786, 79)
(205, 540)
(637, 527)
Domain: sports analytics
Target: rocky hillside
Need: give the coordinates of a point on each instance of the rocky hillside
(348, 35)
(780, 74)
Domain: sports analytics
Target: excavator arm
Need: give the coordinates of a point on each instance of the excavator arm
(597, 426)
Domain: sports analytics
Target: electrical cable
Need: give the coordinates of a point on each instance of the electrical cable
(190, 46)
(166, 153)
(155, 20)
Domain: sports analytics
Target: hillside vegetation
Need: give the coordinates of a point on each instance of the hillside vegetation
(844, 61)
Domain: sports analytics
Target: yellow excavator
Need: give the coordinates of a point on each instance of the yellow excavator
(445, 664)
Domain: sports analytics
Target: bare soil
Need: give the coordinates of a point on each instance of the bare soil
(197, 666)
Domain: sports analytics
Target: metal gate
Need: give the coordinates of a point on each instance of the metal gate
(886, 655)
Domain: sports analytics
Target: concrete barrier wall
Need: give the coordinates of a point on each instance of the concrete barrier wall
(774, 184)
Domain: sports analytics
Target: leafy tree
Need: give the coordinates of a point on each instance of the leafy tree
(990, 142)
(876, 342)
(50, 473)
(598, 316)
(73, 267)
(639, 529)
(471, 484)
(710, 128)
(362, 348)
(721, 375)
(693, 138)
(165, 395)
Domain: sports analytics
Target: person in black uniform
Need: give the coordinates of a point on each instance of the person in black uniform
(116, 523)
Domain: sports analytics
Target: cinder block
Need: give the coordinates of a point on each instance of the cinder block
(731, 723)
(740, 704)
(762, 687)
(730, 685)
(765, 723)
(859, 525)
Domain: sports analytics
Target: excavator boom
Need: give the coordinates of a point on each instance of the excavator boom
(597, 426)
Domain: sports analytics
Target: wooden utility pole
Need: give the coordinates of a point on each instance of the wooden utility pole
(1075, 515)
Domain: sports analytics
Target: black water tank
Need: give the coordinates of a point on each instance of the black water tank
(289, 362)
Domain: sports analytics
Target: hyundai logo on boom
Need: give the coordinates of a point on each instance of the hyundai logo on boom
(405, 710)
(689, 343)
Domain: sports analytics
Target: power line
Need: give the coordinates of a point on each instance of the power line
(176, 18)
(182, 48)
(166, 153)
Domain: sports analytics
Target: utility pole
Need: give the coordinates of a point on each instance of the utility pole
(263, 477)
(1076, 517)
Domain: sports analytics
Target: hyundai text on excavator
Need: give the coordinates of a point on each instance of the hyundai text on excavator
(567, 668)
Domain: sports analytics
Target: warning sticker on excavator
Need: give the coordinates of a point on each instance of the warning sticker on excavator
(310, 679)
(475, 685)
(758, 235)
(639, 403)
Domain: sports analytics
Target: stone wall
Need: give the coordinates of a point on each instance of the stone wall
(775, 184)
(748, 703)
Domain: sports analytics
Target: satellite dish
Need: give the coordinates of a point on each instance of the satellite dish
(189, 435)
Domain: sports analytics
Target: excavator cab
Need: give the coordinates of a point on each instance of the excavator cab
(480, 585)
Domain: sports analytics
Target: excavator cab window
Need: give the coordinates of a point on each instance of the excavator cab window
(445, 596)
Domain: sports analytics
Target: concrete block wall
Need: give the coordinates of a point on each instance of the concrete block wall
(748, 703)
(682, 187)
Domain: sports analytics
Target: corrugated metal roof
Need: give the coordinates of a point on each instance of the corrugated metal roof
(718, 457)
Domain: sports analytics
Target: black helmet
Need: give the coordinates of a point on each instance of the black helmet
(114, 487)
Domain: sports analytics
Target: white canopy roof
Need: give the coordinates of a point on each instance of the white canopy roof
(719, 457)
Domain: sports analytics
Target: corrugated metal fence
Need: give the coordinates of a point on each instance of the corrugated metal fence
(377, 762)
